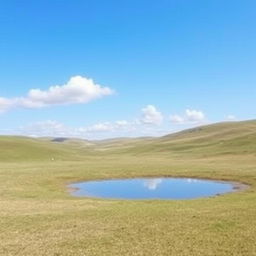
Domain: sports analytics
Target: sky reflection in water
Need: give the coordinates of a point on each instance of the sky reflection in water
(151, 188)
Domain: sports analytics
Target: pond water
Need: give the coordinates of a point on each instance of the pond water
(151, 188)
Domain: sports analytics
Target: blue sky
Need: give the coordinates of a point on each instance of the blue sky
(157, 66)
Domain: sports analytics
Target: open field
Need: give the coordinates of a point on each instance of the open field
(38, 216)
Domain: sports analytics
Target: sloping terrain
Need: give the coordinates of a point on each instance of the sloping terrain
(14, 148)
(38, 215)
(215, 139)
(220, 138)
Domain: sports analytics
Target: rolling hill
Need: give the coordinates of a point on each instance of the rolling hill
(39, 215)
(214, 139)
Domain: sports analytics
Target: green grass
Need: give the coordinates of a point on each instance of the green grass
(38, 216)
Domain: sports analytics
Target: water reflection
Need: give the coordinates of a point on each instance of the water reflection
(151, 188)
(192, 180)
(152, 184)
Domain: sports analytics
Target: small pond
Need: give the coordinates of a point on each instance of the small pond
(152, 188)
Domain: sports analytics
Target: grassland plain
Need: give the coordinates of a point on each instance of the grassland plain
(38, 216)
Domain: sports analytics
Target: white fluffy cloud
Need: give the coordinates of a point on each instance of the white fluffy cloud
(77, 90)
(149, 124)
(190, 116)
(194, 115)
(150, 115)
(99, 130)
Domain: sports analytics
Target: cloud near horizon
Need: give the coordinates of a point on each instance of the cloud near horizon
(151, 116)
(190, 117)
(78, 90)
(150, 123)
(52, 128)
(231, 118)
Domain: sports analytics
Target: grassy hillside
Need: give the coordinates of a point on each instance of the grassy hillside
(221, 138)
(14, 148)
(38, 216)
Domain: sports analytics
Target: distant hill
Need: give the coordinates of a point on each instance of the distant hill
(59, 139)
(16, 148)
(219, 138)
(215, 139)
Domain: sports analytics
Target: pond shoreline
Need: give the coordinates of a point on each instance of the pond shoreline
(73, 187)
